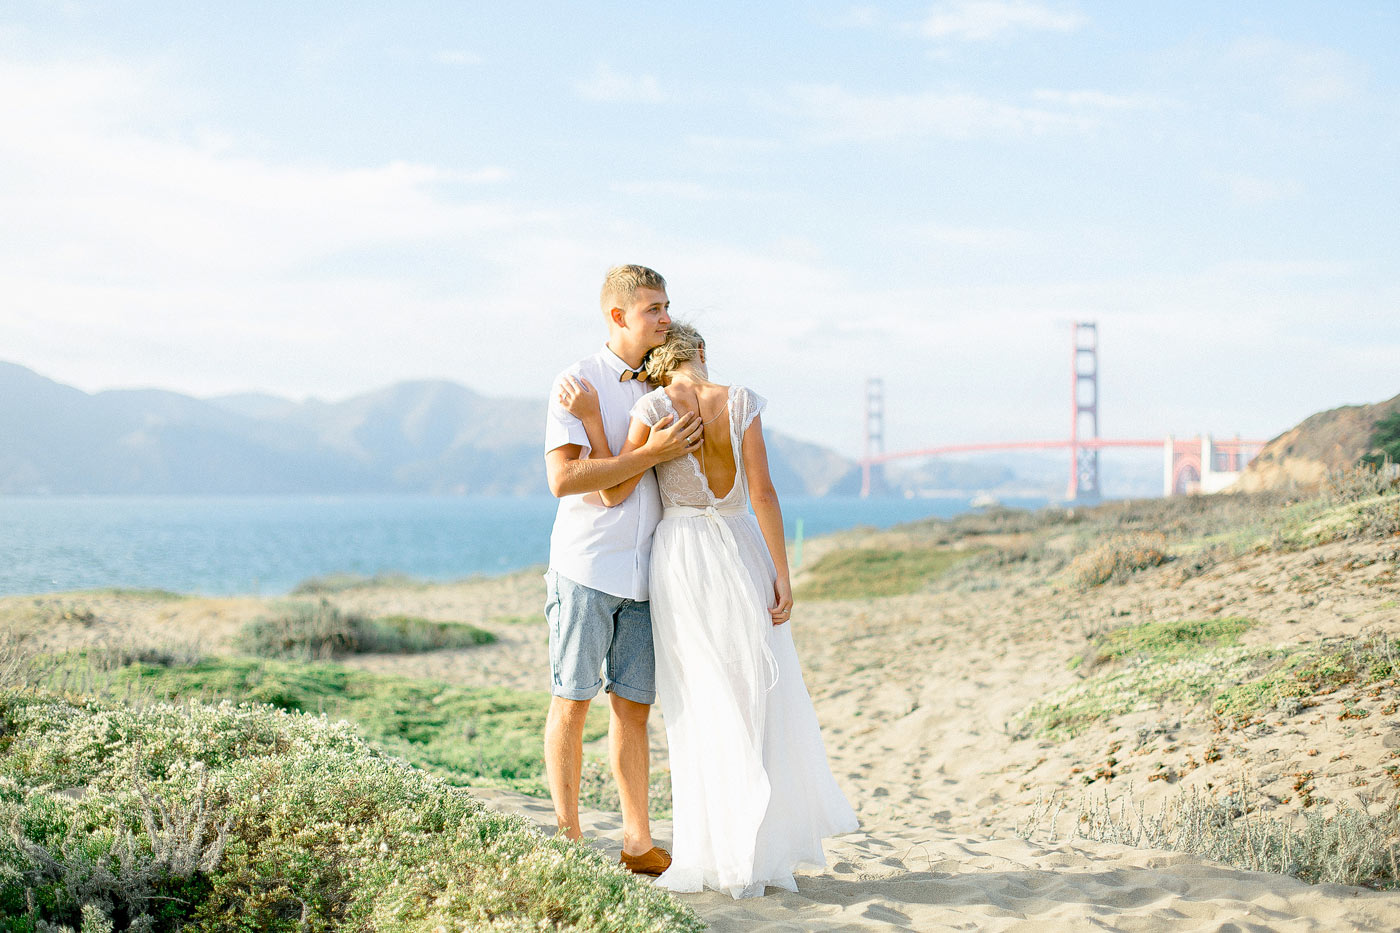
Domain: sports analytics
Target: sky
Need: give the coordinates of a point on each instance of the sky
(322, 198)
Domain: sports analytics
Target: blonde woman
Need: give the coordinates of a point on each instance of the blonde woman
(753, 795)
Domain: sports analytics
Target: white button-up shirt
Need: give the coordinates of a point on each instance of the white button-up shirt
(608, 549)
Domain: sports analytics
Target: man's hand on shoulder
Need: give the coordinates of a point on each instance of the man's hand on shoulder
(671, 438)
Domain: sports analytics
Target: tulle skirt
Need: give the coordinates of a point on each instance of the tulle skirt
(752, 792)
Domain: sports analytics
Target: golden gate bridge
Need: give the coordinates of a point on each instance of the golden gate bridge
(1200, 464)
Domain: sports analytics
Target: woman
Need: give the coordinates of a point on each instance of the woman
(752, 793)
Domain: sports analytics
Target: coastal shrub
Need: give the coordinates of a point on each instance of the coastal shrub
(1236, 681)
(1385, 442)
(1378, 520)
(861, 573)
(1162, 640)
(1143, 684)
(1304, 671)
(1363, 481)
(410, 635)
(467, 735)
(107, 809)
(1349, 846)
(1117, 558)
(330, 584)
(319, 630)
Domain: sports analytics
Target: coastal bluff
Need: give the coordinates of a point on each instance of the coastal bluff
(1302, 456)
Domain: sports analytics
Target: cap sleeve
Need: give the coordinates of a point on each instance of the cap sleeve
(750, 405)
(648, 409)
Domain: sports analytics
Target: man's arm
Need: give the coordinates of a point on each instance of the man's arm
(570, 476)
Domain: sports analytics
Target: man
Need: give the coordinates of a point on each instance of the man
(598, 560)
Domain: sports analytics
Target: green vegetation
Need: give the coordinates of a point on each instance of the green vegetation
(1163, 640)
(518, 620)
(1145, 685)
(1307, 671)
(483, 736)
(130, 592)
(246, 818)
(333, 583)
(308, 630)
(863, 573)
(468, 736)
(1385, 441)
(1199, 662)
(1351, 846)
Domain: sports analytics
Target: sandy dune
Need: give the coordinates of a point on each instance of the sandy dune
(920, 697)
(894, 877)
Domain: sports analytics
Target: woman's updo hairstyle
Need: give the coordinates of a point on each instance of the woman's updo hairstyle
(683, 345)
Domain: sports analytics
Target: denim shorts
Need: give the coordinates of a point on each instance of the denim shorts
(592, 632)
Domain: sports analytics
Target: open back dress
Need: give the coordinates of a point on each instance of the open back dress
(752, 792)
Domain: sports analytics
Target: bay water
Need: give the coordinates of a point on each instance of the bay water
(266, 545)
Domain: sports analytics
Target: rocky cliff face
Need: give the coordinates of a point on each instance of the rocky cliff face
(1302, 456)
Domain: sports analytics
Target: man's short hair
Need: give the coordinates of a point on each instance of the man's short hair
(621, 283)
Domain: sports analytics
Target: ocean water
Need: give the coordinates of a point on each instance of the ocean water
(221, 545)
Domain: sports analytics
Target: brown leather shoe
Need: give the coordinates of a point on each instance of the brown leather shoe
(652, 863)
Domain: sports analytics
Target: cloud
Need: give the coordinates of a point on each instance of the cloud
(485, 176)
(1306, 76)
(855, 17)
(457, 57)
(1097, 100)
(606, 85)
(991, 239)
(667, 190)
(81, 183)
(980, 20)
(1248, 189)
(142, 247)
(745, 145)
(837, 114)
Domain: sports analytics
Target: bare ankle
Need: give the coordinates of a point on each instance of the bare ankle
(637, 843)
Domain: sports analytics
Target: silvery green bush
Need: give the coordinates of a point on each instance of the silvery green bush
(244, 817)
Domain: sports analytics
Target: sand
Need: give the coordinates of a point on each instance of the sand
(920, 698)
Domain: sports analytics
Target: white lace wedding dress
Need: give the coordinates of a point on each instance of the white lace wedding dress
(752, 792)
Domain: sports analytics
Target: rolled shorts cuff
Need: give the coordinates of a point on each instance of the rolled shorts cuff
(645, 697)
(565, 692)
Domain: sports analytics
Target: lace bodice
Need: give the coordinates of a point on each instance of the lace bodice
(681, 480)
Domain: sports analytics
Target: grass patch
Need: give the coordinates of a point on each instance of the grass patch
(867, 572)
(245, 818)
(1313, 670)
(332, 583)
(1236, 681)
(518, 620)
(1163, 640)
(1145, 684)
(134, 593)
(1350, 846)
(465, 735)
(320, 630)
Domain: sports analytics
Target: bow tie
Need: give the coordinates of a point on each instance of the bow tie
(628, 374)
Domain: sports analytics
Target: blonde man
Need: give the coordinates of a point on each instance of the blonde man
(597, 593)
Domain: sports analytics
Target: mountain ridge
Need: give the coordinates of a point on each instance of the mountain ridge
(419, 436)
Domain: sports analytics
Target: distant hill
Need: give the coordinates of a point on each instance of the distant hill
(1303, 455)
(414, 437)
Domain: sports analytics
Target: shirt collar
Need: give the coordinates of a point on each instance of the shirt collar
(613, 361)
